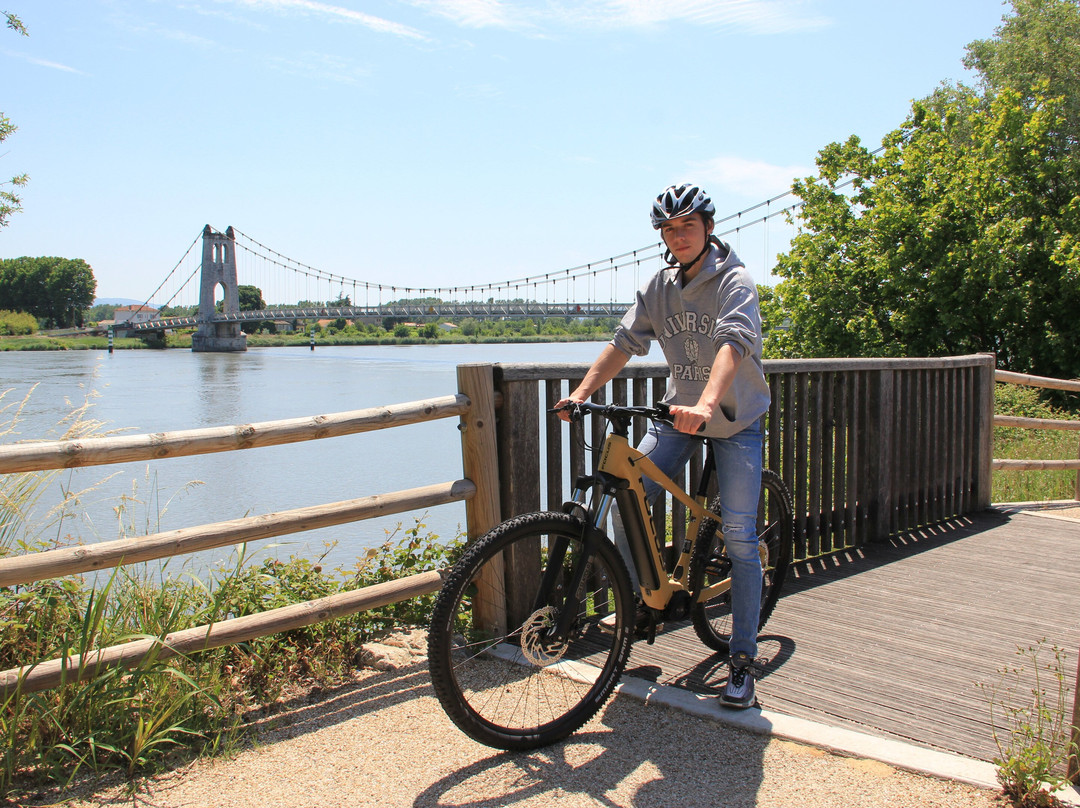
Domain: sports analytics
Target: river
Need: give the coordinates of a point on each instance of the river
(135, 392)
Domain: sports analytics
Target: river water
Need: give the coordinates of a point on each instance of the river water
(135, 392)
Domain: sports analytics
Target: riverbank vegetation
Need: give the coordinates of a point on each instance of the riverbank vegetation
(135, 720)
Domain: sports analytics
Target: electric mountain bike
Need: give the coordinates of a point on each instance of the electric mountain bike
(519, 650)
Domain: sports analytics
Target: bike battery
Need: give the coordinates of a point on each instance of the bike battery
(632, 519)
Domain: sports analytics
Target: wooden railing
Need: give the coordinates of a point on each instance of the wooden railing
(474, 405)
(869, 448)
(1039, 423)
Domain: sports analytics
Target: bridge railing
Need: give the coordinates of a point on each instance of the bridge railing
(869, 448)
(473, 404)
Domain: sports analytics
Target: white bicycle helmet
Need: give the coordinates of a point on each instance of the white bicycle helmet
(680, 200)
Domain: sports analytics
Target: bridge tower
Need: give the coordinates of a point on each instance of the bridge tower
(218, 269)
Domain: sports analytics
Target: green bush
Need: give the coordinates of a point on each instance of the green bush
(17, 323)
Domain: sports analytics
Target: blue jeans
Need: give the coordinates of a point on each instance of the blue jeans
(738, 477)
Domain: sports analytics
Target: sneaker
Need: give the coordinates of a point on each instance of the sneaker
(739, 690)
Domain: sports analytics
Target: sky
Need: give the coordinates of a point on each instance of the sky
(438, 142)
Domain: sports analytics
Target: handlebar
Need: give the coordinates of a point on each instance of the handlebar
(616, 412)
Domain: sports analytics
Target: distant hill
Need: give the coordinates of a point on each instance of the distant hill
(116, 301)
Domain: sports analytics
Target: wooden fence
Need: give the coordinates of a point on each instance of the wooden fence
(869, 448)
(1039, 423)
(474, 405)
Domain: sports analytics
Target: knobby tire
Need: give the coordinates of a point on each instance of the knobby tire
(499, 677)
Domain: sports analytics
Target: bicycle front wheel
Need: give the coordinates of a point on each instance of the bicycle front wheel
(511, 668)
(710, 564)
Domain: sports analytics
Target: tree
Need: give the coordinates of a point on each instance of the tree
(251, 299)
(9, 200)
(1038, 43)
(56, 290)
(962, 234)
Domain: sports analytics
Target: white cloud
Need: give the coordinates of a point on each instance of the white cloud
(43, 62)
(480, 13)
(751, 16)
(339, 13)
(748, 178)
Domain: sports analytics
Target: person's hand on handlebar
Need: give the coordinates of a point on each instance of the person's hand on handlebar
(562, 408)
(690, 420)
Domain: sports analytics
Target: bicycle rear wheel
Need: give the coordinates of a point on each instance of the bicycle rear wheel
(496, 667)
(710, 564)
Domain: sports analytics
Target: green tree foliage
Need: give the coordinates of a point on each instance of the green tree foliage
(251, 299)
(962, 234)
(9, 199)
(1039, 42)
(55, 290)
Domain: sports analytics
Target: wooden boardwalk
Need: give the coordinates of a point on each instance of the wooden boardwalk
(893, 640)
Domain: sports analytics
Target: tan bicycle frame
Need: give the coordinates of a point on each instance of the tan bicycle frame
(621, 460)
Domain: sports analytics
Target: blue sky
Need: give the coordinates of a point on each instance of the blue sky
(434, 143)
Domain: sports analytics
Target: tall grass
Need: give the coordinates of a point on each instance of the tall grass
(132, 719)
(1033, 444)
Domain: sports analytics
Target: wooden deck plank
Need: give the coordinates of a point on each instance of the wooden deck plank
(894, 639)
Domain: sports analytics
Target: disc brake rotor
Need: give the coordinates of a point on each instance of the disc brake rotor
(535, 644)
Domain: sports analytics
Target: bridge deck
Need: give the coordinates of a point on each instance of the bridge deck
(893, 640)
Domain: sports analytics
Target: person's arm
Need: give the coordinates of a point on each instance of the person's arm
(604, 369)
(722, 374)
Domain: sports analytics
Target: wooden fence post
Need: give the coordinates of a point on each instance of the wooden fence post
(1076, 492)
(518, 438)
(878, 435)
(479, 457)
(984, 445)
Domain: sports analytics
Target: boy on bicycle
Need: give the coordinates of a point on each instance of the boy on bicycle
(704, 311)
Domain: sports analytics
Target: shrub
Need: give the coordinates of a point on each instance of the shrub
(17, 323)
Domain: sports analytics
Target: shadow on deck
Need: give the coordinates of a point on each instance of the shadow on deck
(893, 639)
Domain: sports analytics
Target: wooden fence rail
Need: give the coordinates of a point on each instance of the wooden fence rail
(1072, 385)
(474, 404)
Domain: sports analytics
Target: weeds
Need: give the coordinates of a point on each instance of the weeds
(131, 719)
(1028, 706)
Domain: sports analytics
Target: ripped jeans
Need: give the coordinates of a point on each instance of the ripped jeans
(738, 477)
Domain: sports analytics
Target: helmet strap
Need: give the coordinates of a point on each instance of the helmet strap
(684, 267)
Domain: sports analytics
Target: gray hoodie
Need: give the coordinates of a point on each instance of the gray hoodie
(719, 306)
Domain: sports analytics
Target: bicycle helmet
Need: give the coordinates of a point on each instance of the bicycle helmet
(680, 200)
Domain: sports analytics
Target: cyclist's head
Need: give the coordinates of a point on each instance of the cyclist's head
(682, 200)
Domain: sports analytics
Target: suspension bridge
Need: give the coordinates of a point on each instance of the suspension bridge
(231, 258)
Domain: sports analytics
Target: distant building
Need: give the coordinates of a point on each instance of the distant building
(134, 314)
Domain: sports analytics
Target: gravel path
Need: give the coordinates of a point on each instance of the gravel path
(382, 740)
